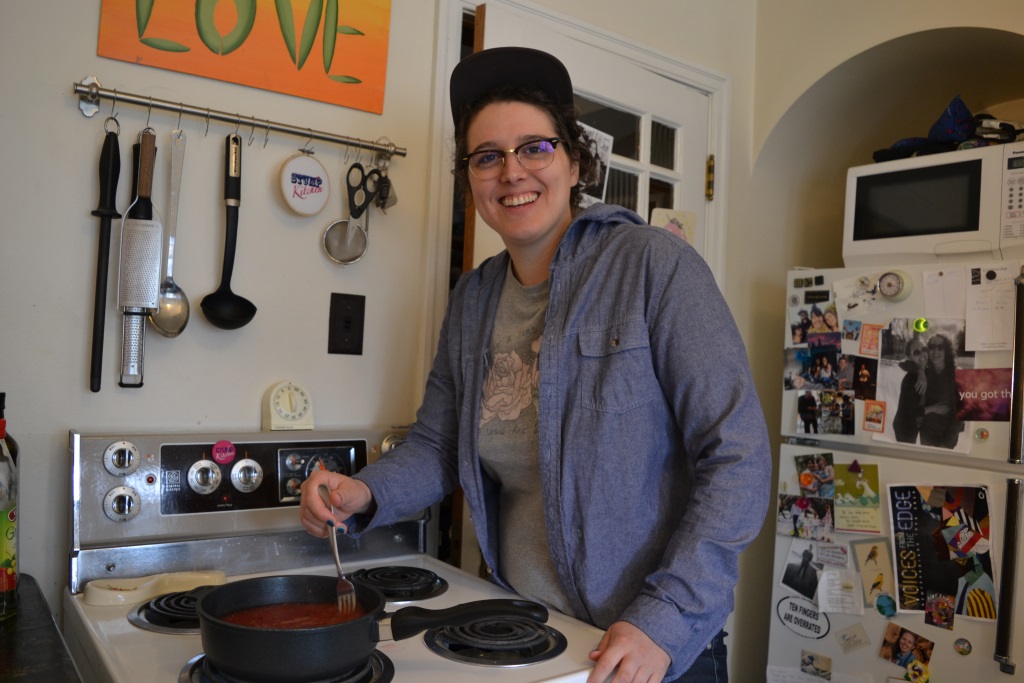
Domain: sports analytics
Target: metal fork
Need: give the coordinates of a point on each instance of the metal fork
(346, 591)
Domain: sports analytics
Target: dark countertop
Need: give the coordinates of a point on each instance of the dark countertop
(31, 647)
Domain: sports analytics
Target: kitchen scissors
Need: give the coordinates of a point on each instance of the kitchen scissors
(345, 240)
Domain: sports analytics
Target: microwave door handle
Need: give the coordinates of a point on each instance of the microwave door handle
(1004, 618)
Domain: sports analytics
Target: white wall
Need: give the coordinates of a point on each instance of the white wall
(207, 379)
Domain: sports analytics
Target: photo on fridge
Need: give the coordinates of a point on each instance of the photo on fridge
(917, 382)
(803, 570)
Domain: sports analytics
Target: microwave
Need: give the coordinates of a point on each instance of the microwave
(966, 205)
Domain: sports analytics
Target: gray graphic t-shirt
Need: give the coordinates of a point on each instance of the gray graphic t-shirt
(508, 441)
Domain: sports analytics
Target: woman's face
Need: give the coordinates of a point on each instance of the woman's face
(917, 352)
(526, 208)
(831, 320)
(817, 320)
(907, 641)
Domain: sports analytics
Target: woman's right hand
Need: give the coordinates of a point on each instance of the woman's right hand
(349, 496)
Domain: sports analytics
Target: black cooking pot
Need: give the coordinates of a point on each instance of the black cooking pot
(280, 655)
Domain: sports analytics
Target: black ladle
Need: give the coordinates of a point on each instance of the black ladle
(223, 308)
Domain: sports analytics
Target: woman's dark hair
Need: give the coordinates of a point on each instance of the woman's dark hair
(567, 128)
(948, 354)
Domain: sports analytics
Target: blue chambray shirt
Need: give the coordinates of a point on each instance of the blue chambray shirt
(654, 454)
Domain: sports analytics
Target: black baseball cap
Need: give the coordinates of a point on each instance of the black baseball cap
(486, 70)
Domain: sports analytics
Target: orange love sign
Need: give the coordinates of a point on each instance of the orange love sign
(324, 50)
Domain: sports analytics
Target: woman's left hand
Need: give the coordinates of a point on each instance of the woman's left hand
(629, 654)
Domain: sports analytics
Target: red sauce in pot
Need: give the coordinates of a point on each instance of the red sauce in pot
(293, 615)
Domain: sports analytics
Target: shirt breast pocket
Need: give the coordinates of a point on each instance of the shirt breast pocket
(617, 372)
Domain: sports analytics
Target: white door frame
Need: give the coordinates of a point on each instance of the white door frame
(441, 183)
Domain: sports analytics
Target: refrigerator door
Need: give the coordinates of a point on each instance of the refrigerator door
(860, 321)
(804, 632)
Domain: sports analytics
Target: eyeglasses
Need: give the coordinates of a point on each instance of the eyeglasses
(487, 164)
(917, 352)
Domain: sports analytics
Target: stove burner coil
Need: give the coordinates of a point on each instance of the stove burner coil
(169, 613)
(502, 641)
(399, 583)
(378, 669)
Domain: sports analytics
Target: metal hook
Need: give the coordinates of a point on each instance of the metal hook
(252, 132)
(180, 107)
(238, 122)
(308, 147)
(149, 112)
(266, 138)
(348, 150)
(112, 117)
(207, 122)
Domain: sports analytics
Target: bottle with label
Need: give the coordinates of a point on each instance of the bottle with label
(8, 518)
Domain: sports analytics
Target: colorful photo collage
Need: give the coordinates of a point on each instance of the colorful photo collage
(908, 380)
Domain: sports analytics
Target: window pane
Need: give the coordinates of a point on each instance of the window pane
(623, 127)
(663, 145)
(660, 196)
(622, 189)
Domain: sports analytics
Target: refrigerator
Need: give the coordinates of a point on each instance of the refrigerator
(899, 478)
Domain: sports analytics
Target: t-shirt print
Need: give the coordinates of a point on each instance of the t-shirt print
(510, 386)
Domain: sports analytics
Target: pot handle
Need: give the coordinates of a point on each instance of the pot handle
(410, 621)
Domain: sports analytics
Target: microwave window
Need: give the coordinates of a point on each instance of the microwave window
(933, 200)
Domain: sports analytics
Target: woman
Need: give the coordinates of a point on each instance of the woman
(939, 426)
(599, 440)
(826, 478)
(818, 325)
(906, 423)
(904, 652)
(831, 319)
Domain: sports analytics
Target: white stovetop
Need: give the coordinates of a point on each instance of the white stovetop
(109, 649)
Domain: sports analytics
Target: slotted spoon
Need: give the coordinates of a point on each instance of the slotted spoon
(346, 591)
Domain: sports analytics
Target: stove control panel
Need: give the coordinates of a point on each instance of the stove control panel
(132, 489)
(198, 478)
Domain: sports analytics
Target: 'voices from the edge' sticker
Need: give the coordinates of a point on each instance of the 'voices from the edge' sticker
(802, 617)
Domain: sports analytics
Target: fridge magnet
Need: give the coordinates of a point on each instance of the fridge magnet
(901, 646)
(802, 571)
(938, 610)
(806, 517)
(318, 51)
(864, 382)
(885, 605)
(984, 394)
(874, 562)
(818, 665)
(941, 536)
(851, 330)
(801, 616)
(869, 339)
(962, 647)
(853, 638)
(874, 416)
(858, 504)
(917, 375)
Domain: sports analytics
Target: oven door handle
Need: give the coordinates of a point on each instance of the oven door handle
(1004, 619)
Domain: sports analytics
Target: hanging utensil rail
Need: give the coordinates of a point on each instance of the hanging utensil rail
(90, 93)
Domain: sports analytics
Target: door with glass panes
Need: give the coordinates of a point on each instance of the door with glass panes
(659, 125)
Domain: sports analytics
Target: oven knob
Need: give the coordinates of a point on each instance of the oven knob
(204, 477)
(293, 487)
(122, 503)
(121, 458)
(246, 475)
